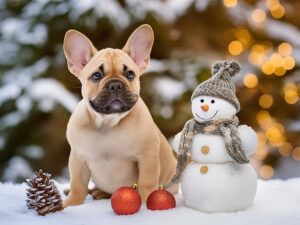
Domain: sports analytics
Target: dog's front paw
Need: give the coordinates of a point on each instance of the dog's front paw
(145, 192)
(144, 198)
(71, 201)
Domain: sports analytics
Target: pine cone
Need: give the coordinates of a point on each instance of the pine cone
(42, 194)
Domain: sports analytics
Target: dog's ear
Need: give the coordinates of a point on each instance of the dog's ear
(78, 51)
(139, 46)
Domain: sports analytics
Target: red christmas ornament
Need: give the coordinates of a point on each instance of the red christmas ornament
(161, 200)
(126, 200)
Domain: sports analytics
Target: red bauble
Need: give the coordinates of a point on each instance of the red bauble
(126, 200)
(161, 200)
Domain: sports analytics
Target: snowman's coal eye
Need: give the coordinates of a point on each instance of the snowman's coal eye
(212, 101)
(202, 100)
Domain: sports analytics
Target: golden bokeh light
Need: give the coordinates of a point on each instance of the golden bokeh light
(250, 80)
(296, 153)
(279, 127)
(272, 3)
(235, 47)
(279, 71)
(258, 15)
(257, 55)
(275, 134)
(290, 86)
(244, 36)
(261, 153)
(277, 11)
(265, 101)
(261, 139)
(285, 149)
(264, 119)
(285, 49)
(268, 68)
(230, 3)
(276, 60)
(266, 171)
(256, 58)
(258, 48)
(288, 63)
(291, 96)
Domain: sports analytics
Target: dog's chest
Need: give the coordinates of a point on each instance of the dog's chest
(108, 155)
(102, 145)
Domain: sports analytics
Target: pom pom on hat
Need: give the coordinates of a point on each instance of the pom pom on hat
(232, 67)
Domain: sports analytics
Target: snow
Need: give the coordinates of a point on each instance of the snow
(34, 151)
(17, 167)
(47, 91)
(276, 202)
(168, 88)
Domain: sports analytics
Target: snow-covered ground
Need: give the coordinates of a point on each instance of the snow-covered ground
(276, 202)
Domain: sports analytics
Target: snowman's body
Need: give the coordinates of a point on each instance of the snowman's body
(213, 182)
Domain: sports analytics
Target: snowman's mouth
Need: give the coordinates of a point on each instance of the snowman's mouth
(207, 118)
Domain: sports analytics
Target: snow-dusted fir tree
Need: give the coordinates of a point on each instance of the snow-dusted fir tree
(189, 35)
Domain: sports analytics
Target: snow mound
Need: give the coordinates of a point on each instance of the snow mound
(276, 202)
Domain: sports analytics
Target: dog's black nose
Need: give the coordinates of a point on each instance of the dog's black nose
(115, 86)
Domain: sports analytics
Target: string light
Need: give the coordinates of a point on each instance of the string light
(258, 54)
(264, 119)
(235, 47)
(276, 60)
(288, 63)
(285, 49)
(277, 11)
(290, 86)
(258, 15)
(275, 134)
(261, 153)
(250, 80)
(272, 3)
(261, 139)
(279, 71)
(296, 154)
(266, 171)
(267, 68)
(230, 3)
(285, 149)
(244, 36)
(291, 96)
(265, 101)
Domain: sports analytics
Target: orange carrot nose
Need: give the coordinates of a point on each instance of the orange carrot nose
(205, 108)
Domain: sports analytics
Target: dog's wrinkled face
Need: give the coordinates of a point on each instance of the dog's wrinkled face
(111, 82)
(110, 77)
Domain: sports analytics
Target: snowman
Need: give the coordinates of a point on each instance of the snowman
(219, 177)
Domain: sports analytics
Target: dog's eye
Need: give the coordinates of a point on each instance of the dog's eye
(212, 101)
(202, 100)
(130, 75)
(96, 77)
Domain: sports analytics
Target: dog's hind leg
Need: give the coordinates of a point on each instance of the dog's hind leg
(99, 194)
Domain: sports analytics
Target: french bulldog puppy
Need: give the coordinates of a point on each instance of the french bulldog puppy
(114, 140)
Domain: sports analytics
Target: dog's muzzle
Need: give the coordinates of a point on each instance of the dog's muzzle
(114, 98)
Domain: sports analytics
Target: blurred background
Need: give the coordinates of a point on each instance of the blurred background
(38, 94)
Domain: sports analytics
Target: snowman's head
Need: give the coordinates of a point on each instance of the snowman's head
(211, 108)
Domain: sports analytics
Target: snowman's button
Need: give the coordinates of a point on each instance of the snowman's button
(204, 169)
(205, 149)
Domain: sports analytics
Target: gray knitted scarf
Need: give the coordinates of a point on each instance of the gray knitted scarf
(225, 128)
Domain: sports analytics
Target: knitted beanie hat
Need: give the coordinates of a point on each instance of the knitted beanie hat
(220, 84)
